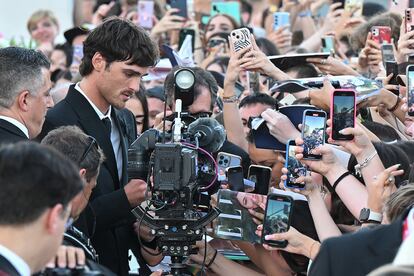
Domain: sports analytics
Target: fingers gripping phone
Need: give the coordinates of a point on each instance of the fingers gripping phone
(343, 113)
(240, 39)
(410, 89)
(260, 175)
(235, 178)
(277, 218)
(295, 168)
(281, 19)
(181, 5)
(381, 34)
(313, 132)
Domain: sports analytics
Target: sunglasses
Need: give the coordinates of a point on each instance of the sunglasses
(92, 143)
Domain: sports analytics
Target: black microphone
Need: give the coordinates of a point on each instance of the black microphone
(211, 135)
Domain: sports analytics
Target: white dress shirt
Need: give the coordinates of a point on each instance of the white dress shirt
(19, 264)
(115, 135)
(17, 124)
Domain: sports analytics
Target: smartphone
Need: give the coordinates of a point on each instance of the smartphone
(253, 79)
(281, 19)
(343, 113)
(313, 132)
(183, 34)
(328, 44)
(240, 39)
(260, 175)
(181, 5)
(231, 8)
(392, 67)
(387, 52)
(410, 89)
(409, 19)
(235, 178)
(354, 5)
(294, 166)
(145, 13)
(381, 34)
(214, 42)
(225, 160)
(277, 218)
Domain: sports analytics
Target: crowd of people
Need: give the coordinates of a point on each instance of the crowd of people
(69, 112)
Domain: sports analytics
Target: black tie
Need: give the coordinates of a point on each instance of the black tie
(107, 123)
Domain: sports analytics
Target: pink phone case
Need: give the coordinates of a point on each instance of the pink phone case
(381, 34)
(331, 111)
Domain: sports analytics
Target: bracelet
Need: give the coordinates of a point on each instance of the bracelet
(212, 259)
(231, 99)
(359, 167)
(345, 174)
(392, 109)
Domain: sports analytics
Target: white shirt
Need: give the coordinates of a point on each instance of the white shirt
(115, 136)
(19, 264)
(17, 124)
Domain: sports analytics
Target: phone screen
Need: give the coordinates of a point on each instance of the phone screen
(295, 167)
(410, 99)
(261, 177)
(391, 67)
(277, 217)
(387, 53)
(343, 114)
(235, 178)
(183, 34)
(313, 133)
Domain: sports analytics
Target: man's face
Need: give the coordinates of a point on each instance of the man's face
(155, 107)
(202, 103)
(119, 82)
(252, 110)
(268, 158)
(37, 104)
(81, 200)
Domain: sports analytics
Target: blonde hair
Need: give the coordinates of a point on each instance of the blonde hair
(39, 15)
(399, 201)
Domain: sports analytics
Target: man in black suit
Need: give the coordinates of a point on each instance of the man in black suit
(37, 187)
(359, 253)
(116, 55)
(24, 93)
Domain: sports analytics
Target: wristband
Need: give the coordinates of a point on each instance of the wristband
(345, 174)
(212, 259)
(392, 109)
(231, 99)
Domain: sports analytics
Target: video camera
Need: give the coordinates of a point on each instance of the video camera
(181, 170)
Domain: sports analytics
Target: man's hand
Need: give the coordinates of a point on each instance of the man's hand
(68, 256)
(135, 191)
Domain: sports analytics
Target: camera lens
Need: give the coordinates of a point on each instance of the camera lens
(221, 157)
(184, 79)
(238, 37)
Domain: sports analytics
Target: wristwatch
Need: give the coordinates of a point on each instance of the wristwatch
(369, 216)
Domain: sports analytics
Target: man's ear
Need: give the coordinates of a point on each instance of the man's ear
(54, 218)
(82, 173)
(22, 100)
(98, 62)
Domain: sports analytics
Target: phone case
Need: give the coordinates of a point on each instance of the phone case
(331, 115)
(261, 185)
(276, 219)
(410, 90)
(181, 5)
(281, 19)
(409, 19)
(387, 52)
(328, 44)
(315, 142)
(145, 13)
(241, 39)
(225, 160)
(381, 34)
(235, 186)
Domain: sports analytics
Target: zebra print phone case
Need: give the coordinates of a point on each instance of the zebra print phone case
(240, 39)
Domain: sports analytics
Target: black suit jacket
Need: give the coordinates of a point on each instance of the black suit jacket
(10, 133)
(6, 268)
(109, 220)
(358, 253)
